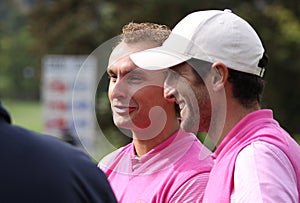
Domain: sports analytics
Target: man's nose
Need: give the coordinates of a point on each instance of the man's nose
(119, 89)
(170, 85)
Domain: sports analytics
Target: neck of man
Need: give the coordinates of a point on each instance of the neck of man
(146, 139)
(235, 113)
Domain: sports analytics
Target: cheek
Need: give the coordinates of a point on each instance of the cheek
(184, 88)
(109, 92)
(149, 96)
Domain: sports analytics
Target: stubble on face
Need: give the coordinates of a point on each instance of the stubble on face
(190, 88)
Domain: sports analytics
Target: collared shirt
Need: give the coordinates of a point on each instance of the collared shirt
(258, 161)
(174, 171)
(265, 169)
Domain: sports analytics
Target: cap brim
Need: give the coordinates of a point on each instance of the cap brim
(157, 58)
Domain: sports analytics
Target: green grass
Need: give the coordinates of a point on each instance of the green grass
(26, 114)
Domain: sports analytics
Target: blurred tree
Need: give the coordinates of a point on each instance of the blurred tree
(67, 26)
(282, 39)
(18, 73)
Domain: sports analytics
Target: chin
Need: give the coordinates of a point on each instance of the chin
(124, 124)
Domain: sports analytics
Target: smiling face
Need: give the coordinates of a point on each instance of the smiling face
(133, 92)
(192, 97)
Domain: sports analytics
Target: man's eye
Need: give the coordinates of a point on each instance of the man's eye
(113, 77)
(134, 78)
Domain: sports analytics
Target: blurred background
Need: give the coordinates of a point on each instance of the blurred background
(31, 29)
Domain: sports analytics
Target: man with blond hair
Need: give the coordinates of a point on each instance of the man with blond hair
(162, 163)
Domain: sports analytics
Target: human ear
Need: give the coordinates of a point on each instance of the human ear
(219, 76)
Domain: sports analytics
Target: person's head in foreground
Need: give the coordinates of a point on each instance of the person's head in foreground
(136, 95)
(221, 58)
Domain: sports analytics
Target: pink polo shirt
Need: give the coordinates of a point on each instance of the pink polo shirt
(266, 169)
(175, 171)
(256, 162)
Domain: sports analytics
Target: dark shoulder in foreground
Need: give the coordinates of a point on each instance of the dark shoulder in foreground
(40, 168)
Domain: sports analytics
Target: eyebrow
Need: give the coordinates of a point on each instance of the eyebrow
(124, 72)
(109, 71)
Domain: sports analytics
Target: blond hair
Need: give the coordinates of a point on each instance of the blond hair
(137, 32)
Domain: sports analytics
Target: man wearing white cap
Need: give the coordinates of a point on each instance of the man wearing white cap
(223, 60)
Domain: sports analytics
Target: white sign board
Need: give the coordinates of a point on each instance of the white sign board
(68, 98)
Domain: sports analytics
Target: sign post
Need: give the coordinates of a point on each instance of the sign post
(68, 97)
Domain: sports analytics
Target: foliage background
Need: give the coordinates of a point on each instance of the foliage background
(29, 29)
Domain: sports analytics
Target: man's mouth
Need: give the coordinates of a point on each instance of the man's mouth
(123, 110)
(180, 104)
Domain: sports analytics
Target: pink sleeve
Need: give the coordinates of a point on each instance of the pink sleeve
(263, 173)
(192, 190)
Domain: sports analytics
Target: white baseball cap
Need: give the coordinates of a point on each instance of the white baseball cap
(211, 36)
